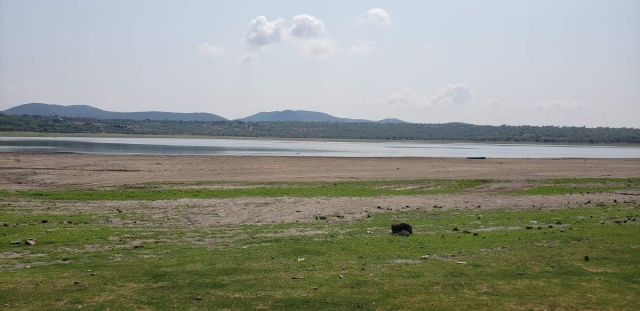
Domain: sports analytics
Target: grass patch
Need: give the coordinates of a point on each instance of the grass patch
(578, 186)
(340, 265)
(311, 189)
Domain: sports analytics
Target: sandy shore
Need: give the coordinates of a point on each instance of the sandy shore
(51, 170)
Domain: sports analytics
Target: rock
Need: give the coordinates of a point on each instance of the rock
(397, 228)
(559, 223)
(404, 233)
(550, 227)
(197, 298)
(341, 276)
(586, 258)
(455, 229)
(30, 242)
(16, 242)
(529, 227)
(475, 234)
(93, 274)
(425, 257)
(321, 217)
(315, 288)
(44, 221)
(138, 245)
(76, 283)
(618, 221)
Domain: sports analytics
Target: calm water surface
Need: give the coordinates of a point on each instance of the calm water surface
(184, 146)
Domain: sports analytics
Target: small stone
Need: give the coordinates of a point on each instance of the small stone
(425, 257)
(30, 242)
(44, 221)
(341, 276)
(76, 283)
(138, 246)
(16, 242)
(197, 298)
(455, 229)
(93, 274)
(586, 258)
(550, 227)
(315, 288)
(559, 223)
(529, 227)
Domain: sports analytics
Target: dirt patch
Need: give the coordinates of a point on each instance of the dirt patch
(42, 171)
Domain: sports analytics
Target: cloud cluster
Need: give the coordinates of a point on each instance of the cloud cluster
(307, 33)
(210, 50)
(363, 47)
(376, 16)
(448, 96)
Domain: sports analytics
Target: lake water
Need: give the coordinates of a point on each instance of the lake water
(184, 146)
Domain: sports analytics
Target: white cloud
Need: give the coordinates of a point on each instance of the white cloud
(377, 17)
(318, 48)
(561, 104)
(406, 97)
(262, 32)
(363, 47)
(249, 58)
(307, 26)
(307, 33)
(452, 95)
(211, 50)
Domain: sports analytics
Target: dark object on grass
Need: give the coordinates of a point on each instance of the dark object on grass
(397, 228)
(455, 229)
(529, 227)
(404, 233)
(44, 221)
(586, 258)
(559, 223)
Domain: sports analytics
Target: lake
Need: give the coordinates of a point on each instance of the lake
(263, 147)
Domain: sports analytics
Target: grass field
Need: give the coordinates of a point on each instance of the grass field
(525, 259)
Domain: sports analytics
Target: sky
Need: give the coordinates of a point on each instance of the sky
(539, 62)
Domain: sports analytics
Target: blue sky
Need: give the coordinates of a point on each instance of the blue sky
(484, 62)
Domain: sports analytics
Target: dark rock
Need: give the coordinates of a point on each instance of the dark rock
(321, 217)
(16, 242)
(455, 229)
(618, 221)
(586, 258)
(550, 227)
(44, 221)
(76, 283)
(559, 223)
(197, 298)
(139, 245)
(396, 228)
(93, 274)
(529, 227)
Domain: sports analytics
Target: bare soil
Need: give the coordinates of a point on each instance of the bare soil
(54, 171)
(57, 170)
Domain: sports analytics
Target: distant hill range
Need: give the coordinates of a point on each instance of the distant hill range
(307, 116)
(84, 111)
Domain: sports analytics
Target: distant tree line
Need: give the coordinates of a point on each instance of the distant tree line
(328, 130)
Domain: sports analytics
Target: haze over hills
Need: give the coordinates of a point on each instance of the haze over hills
(307, 116)
(85, 111)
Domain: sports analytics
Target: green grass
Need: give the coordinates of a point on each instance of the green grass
(507, 266)
(311, 189)
(578, 186)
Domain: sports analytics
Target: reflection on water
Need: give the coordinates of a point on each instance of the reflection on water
(183, 146)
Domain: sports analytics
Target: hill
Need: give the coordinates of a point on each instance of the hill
(84, 111)
(306, 116)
